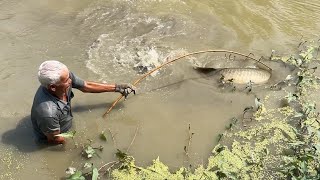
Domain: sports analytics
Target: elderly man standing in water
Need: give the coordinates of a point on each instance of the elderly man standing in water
(51, 110)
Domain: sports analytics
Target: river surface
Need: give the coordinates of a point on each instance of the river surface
(116, 41)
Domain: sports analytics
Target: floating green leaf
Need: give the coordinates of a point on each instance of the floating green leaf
(76, 176)
(298, 115)
(71, 170)
(103, 136)
(87, 165)
(291, 97)
(307, 55)
(89, 151)
(69, 134)
(297, 143)
(257, 103)
(95, 174)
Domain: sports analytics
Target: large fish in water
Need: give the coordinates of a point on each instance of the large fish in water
(240, 75)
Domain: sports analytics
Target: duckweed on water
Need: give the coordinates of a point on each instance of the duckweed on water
(10, 164)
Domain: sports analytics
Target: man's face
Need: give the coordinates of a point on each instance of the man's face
(65, 82)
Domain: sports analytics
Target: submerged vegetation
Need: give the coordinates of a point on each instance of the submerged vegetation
(270, 143)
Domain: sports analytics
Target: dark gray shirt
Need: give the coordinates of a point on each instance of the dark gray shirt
(49, 114)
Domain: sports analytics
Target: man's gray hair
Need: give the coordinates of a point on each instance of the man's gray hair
(50, 72)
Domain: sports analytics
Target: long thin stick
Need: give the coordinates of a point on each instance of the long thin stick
(187, 148)
(107, 165)
(112, 136)
(180, 57)
(134, 137)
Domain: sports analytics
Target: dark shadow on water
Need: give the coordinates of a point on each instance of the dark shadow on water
(22, 137)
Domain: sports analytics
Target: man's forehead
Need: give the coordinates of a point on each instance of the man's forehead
(65, 73)
(65, 70)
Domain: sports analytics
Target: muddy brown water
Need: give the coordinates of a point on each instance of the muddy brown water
(113, 41)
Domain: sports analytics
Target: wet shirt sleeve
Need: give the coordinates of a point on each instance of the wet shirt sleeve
(49, 125)
(76, 81)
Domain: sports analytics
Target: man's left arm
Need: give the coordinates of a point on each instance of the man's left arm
(94, 87)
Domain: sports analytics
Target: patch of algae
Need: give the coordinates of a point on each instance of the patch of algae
(312, 122)
(261, 113)
(308, 82)
(268, 129)
(249, 158)
(287, 111)
(158, 170)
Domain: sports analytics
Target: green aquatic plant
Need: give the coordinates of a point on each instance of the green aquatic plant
(306, 55)
(69, 134)
(303, 161)
(89, 151)
(77, 175)
(103, 136)
(95, 174)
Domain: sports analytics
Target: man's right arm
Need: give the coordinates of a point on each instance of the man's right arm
(50, 127)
